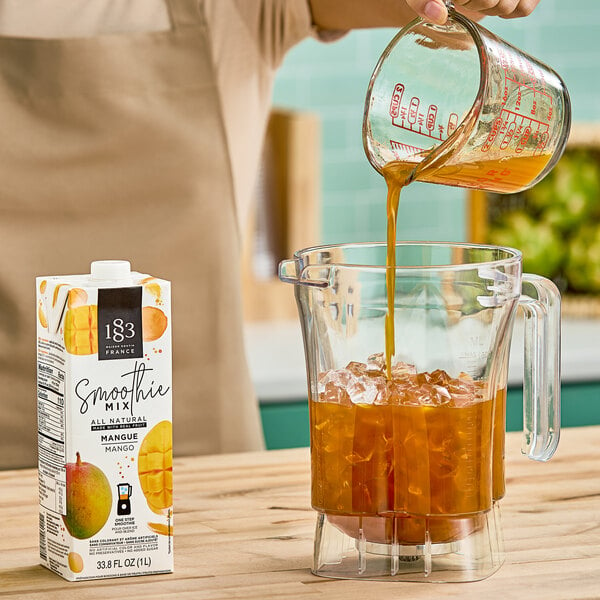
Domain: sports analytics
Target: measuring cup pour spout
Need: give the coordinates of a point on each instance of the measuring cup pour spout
(464, 108)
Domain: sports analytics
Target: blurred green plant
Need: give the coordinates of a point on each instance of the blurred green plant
(556, 224)
(540, 243)
(569, 195)
(582, 269)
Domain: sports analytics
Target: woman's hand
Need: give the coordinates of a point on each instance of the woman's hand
(435, 10)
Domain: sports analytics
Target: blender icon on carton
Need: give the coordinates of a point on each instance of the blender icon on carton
(123, 501)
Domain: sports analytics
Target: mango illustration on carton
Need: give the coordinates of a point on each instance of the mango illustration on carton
(155, 467)
(89, 499)
(104, 421)
(81, 330)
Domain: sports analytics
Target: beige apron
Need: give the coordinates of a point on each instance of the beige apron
(113, 147)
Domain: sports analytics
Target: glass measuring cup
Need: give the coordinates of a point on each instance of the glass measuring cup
(465, 107)
(408, 472)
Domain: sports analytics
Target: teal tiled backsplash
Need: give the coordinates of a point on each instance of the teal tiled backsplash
(331, 80)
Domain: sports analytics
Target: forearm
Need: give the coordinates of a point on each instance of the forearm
(356, 14)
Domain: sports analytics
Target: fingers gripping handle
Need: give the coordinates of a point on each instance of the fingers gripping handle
(541, 382)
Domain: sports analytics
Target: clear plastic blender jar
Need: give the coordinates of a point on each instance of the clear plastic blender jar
(408, 470)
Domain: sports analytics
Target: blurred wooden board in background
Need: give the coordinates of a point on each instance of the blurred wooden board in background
(286, 213)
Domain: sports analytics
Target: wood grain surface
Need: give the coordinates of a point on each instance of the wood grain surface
(244, 529)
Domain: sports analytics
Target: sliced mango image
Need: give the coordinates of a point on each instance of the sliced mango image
(152, 287)
(81, 330)
(55, 295)
(155, 467)
(42, 315)
(161, 528)
(76, 297)
(75, 562)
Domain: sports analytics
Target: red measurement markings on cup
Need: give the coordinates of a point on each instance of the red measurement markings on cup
(403, 151)
(396, 100)
(430, 121)
(452, 123)
(515, 130)
(412, 114)
(523, 140)
(493, 177)
(522, 122)
(413, 110)
(508, 136)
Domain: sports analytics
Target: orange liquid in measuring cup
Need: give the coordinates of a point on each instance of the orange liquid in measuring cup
(507, 175)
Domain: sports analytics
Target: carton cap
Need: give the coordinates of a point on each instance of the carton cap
(110, 269)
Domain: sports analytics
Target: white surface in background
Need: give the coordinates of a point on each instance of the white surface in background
(276, 356)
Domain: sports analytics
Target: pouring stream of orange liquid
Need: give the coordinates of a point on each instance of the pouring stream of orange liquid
(504, 176)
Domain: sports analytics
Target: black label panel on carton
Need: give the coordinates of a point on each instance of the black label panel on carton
(120, 323)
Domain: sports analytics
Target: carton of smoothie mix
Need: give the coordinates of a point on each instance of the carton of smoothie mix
(104, 423)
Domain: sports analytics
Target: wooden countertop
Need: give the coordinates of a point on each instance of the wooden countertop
(244, 529)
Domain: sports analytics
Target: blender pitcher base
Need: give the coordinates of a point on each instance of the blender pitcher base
(476, 554)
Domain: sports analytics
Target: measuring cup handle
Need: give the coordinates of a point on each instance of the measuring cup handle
(541, 382)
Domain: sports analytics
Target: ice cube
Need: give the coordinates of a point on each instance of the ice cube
(402, 390)
(334, 395)
(362, 390)
(332, 386)
(421, 395)
(384, 391)
(436, 384)
(376, 363)
(462, 390)
(462, 386)
(440, 377)
(401, 369)
(440, 395)
(429, 394)
(423, 378)
(357, 368)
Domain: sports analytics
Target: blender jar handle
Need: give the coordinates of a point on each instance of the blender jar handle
(541, 381)
(311, 275)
